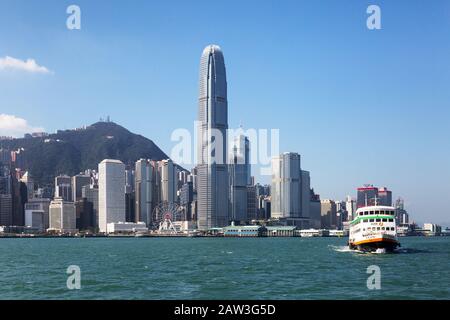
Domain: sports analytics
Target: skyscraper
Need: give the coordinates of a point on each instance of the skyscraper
(63, 187)
(306, 194)
(384, 197)
(240, 178)
(286, 186)
(62, 216)
(169, 181)
(78, 182)
(366, 196)
(329, 214)
(144, 187)
(212, 168)
(111, 193)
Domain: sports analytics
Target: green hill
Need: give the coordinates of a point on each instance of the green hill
(72, 151)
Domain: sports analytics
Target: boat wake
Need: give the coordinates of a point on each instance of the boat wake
(347, 249)
(341, 248)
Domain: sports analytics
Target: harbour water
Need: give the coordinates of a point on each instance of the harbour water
(220, 268)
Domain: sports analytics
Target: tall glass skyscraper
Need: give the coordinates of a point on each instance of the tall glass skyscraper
(212, 188)
(240, 178)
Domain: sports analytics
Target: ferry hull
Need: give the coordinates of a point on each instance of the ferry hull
(372, 245)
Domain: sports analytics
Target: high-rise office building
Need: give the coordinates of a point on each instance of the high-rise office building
(63, 188)
(384, 197)
(240, 178)
(130, 197)
(252, 213)
(286, 186)
(6, 209)
(62, 216)
(186, 199)
(350, 206)
(111, 193)
(328, 213)
(90, 197)
(401, 215)
(212, 169)
(306, 193)
(366, 196)
(37, 213)
(315, 217)
(78, 182)
(29, 182)
(144, 179)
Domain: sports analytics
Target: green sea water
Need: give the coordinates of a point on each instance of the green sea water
(220, 268)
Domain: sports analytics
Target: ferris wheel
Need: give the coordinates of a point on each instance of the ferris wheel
(164, 216)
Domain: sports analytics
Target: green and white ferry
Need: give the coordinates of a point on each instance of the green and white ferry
(373, 229)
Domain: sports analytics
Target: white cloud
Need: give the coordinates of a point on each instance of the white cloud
(13, 126)
(29, 65)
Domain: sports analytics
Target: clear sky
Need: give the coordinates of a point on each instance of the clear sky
(360, 106)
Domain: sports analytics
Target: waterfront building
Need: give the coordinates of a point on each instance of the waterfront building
(111, 192)
(78, 182)
(328, 214)
(19, 197)
(62, 216)
(350, 207)
(401, 215)
(315, 216)
(286, 186)
(29, 182)
(305, 194)
(145, 176)
(37, 213)
(126, 227)
(431, 229)
(6, 209)
(212, 168)
(281, 231)
(186, 199)
(366, 196)
(251, 204)
(63, 187)
(90, 198)
(262, 201)
(384, 197)
(244, 231)
(240, 178)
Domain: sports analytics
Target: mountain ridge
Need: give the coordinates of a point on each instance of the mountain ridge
(73, 151)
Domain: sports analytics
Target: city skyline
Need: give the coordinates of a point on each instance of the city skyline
(352, 120)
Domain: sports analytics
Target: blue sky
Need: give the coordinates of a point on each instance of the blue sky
(360, 106)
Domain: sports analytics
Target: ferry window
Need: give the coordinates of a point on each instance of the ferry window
(366, 213)
(369, 228)
(364, 229)
(378, 228)
(365, 220)
(361, 213)
(392, 228)
(371, 212)
(378, 220)
(391, 220)
(372, 220)
(377, 212)
(384, 220)
(382, 228)
(382, 212)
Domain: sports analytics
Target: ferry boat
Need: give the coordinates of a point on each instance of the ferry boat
(373, 229)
